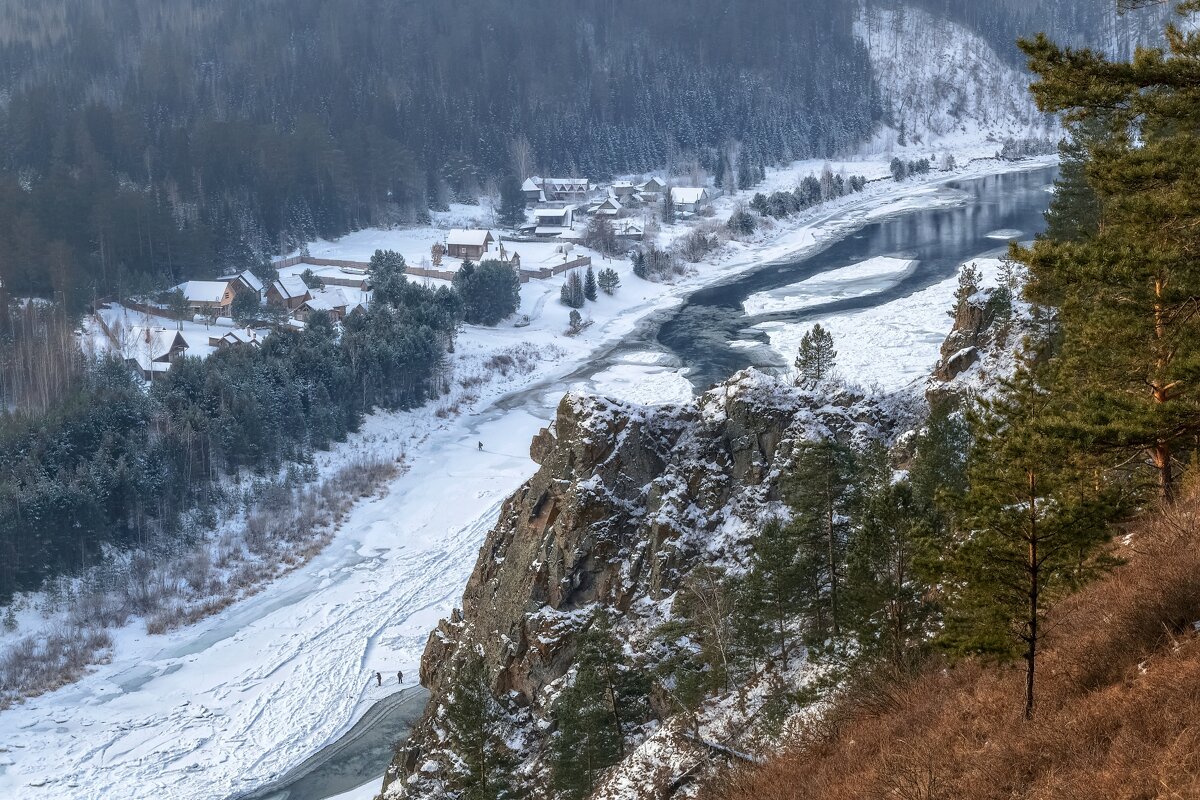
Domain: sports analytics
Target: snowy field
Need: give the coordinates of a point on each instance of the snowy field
(235, 700)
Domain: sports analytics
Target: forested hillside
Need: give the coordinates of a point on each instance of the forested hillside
(149, 141)
(152, 140)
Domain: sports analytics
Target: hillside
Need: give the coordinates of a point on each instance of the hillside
(1116, 718)
(174, 141)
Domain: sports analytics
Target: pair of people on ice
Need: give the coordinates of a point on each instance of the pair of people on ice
(379, 678)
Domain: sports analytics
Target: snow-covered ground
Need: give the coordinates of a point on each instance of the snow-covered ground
(235, 700)
(892, 345)
(857, 280)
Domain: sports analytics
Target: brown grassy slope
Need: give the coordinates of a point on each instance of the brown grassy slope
(1118, 711)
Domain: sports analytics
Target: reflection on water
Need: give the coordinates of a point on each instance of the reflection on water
(708, 333)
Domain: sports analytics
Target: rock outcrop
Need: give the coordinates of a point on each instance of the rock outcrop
(627, 500)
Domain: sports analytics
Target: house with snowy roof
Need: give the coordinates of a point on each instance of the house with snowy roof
(468, 243)
(211, 298)
(290, 291)
(608, 207)
(337, 301)
(651, 191)
(553, 221)
(532, 189)
(556, 190)
(690, 199)
(151, 350)
(247, 336)
(245, 281)
(622, 190)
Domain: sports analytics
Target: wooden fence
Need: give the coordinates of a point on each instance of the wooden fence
(419, 272)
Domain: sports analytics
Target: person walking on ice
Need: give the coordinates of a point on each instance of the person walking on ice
(399, 676)
(378, 679)
(481, 445)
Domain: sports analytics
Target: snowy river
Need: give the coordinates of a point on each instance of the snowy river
(276, 696)
(895, 253)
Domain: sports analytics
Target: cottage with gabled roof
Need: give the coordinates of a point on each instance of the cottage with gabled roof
(152, 350)
(468, 243)
(244, 280)
(651, 191)
(609, 207)
(208, 297)
(290, 291)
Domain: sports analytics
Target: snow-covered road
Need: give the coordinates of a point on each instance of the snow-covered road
(236, 700)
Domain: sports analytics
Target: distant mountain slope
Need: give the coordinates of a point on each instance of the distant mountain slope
(936, 77)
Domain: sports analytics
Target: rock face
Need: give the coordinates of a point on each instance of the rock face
(626, 501)
(973, 331)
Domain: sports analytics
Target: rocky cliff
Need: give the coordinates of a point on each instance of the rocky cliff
(627, 501)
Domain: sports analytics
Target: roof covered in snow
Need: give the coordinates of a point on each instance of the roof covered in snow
(689, 194)
(203, 291)
(552, 213)
(471, 237)
(290, 287)
(247, 277)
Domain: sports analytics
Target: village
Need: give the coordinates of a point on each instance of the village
(198, 317)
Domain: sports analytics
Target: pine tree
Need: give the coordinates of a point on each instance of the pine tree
(1074, 213)
(1126, 295)
(472, 723)
(639, 264)
(512, 202)
(668, 208)
(745, 170)
(589, 284)
(1037, 513)
(773, 590)
(609, 280)
(820, 491)
(816, 358)
(607, 696)
(572, 292)
(388, 280)
(891, 563)
(720, 173)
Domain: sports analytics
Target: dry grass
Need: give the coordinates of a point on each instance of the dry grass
(1117, 717)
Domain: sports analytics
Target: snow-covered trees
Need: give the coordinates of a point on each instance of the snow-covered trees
(571, 293)
(473, 727)
(512, 202)
(609, 280)
(816, 358)
(593, 715)
(490, 292)
(589, 284)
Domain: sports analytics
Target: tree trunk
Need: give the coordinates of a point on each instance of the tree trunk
(1160, 455)
(832, 555)
(1034, 569)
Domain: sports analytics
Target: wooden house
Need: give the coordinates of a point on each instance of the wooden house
(289, 291)
(211, 298)
(468, 243)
